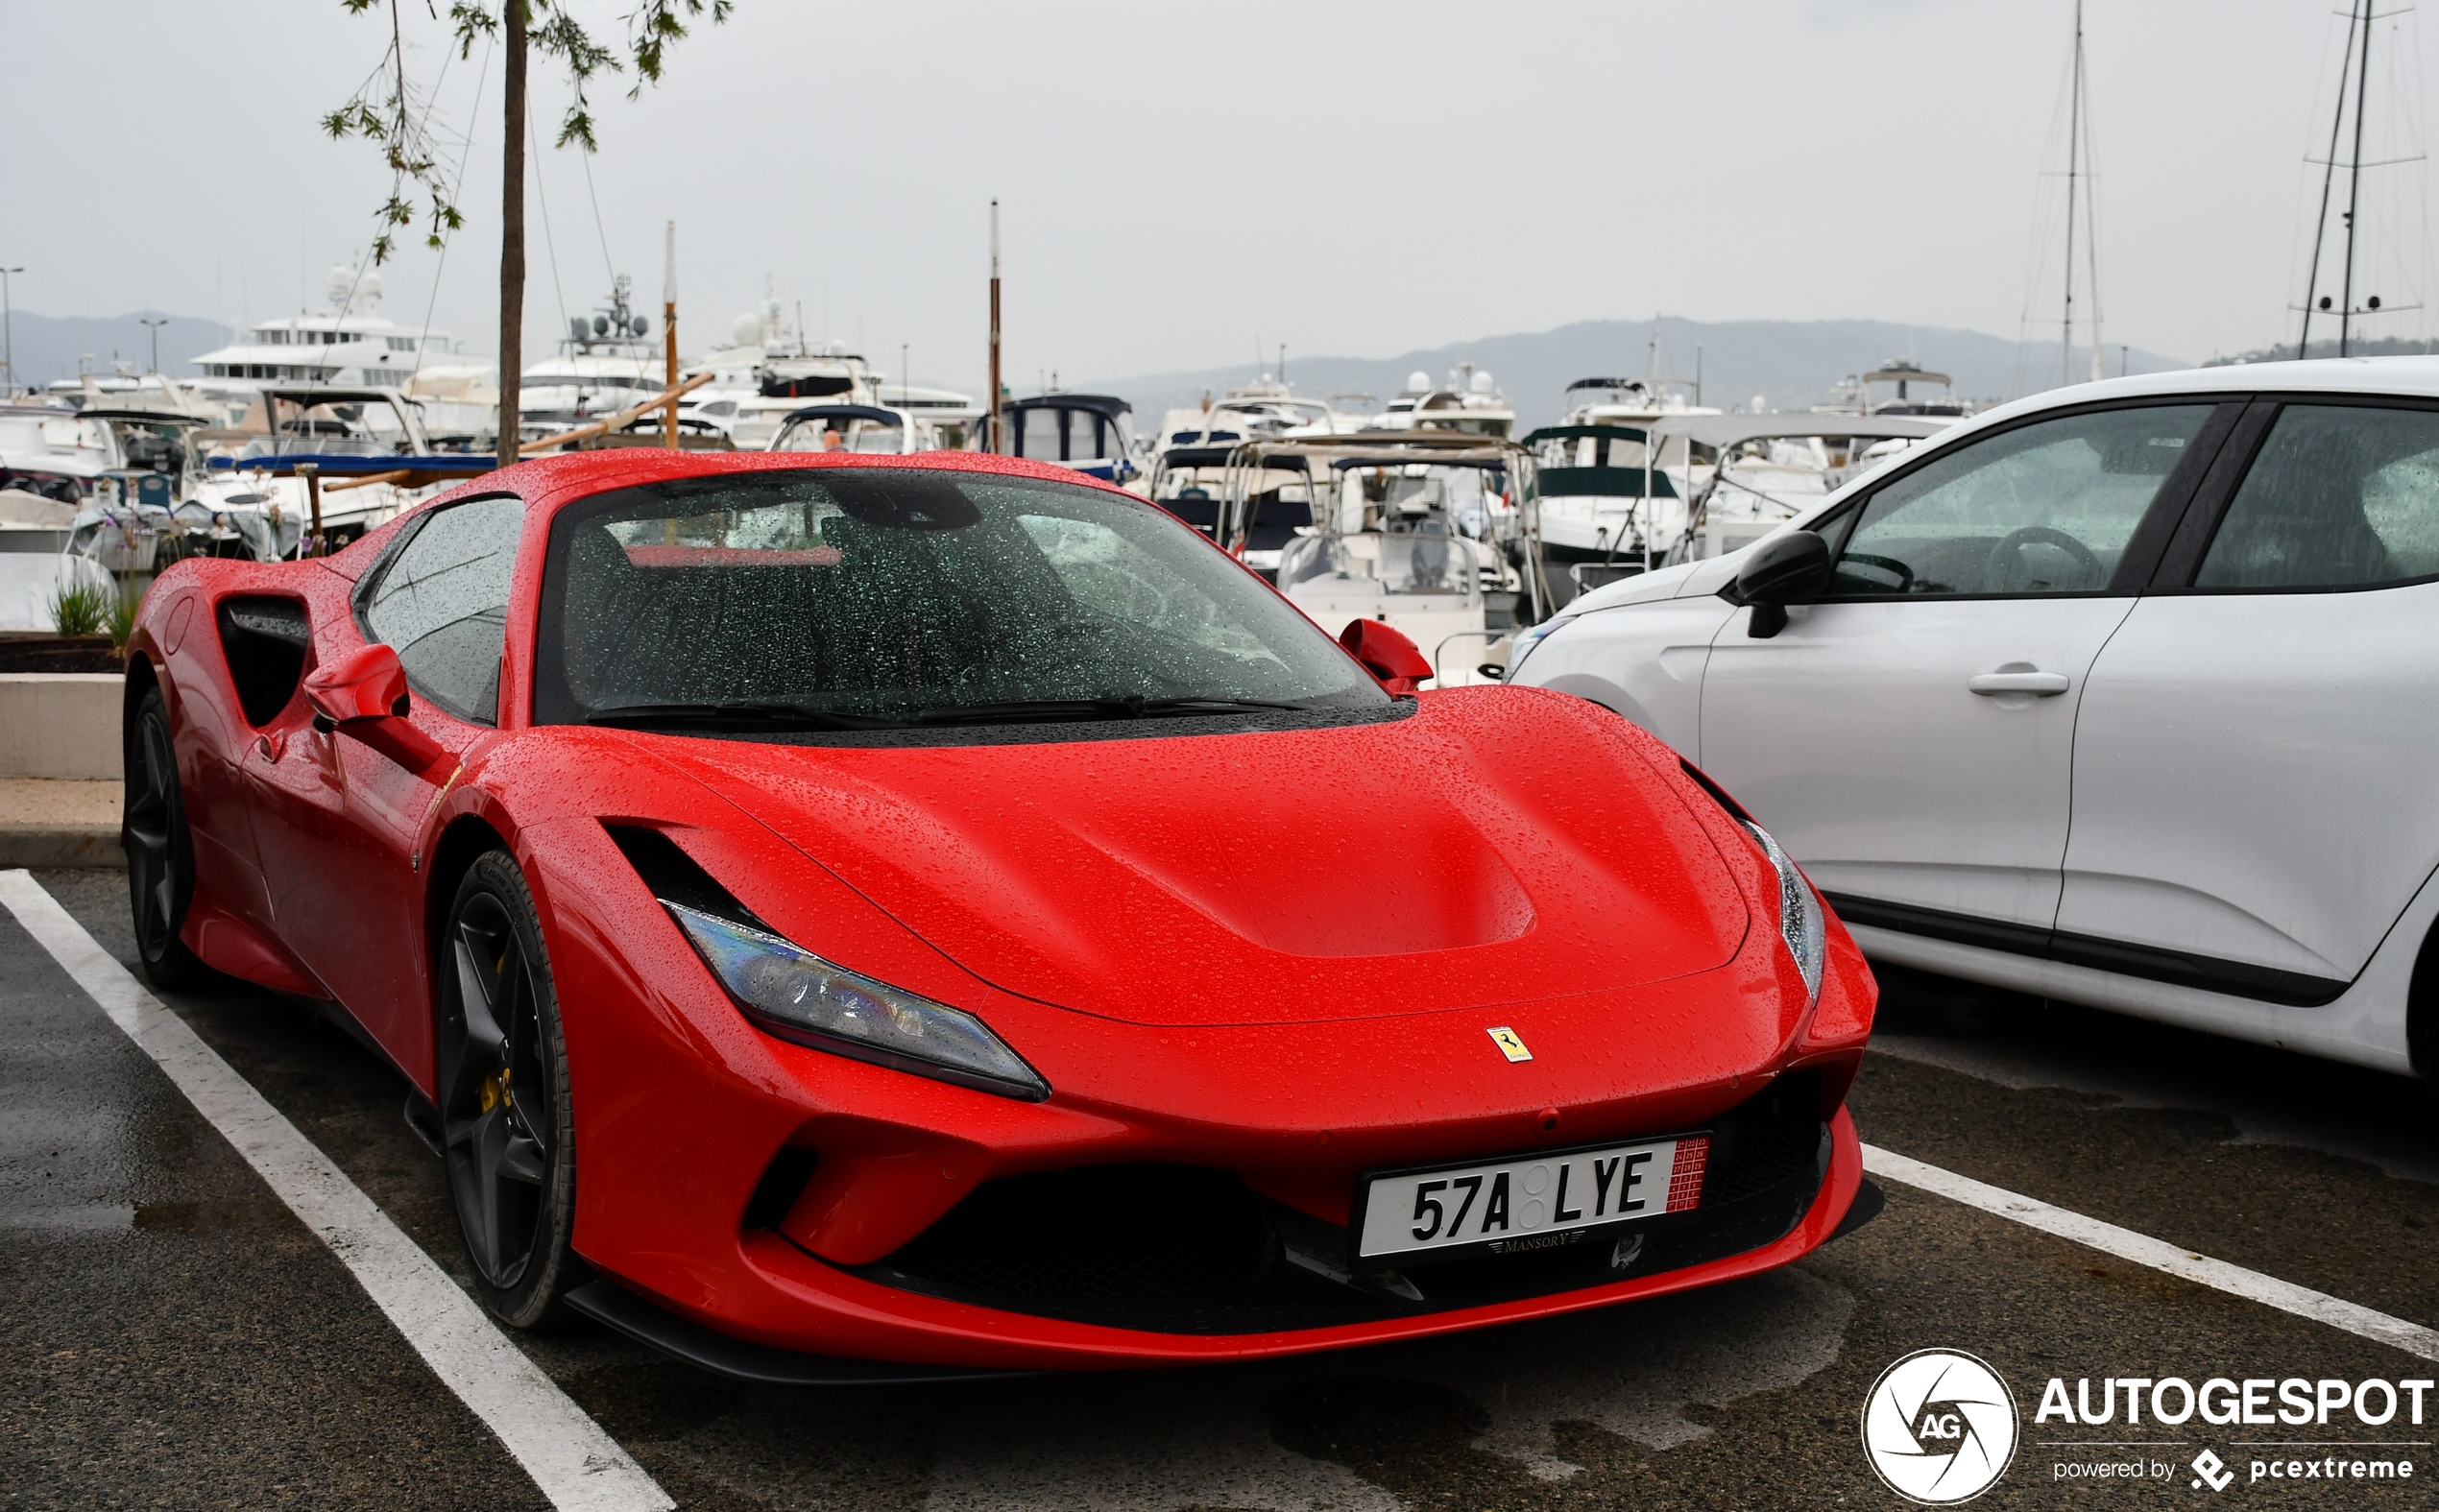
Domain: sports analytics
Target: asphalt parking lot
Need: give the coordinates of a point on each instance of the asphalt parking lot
(172, 1335)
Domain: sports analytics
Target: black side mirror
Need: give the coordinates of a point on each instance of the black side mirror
(1781, 570)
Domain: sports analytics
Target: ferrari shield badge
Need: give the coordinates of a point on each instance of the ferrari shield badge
(1509, 1044)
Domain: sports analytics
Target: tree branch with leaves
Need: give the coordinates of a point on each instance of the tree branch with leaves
(395, 113)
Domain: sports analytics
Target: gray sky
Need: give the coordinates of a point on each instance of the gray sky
(1178, 179)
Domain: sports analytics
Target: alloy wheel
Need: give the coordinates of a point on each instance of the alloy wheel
(497, 1092)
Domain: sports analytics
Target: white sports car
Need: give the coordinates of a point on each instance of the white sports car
(2126, 694)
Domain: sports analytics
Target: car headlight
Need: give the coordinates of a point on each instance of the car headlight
(1799, 916)
(797, 995)
(1521, 644)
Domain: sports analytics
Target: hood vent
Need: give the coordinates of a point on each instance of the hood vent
(677, 877)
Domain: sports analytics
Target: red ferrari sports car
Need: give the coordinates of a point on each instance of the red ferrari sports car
(870, 918)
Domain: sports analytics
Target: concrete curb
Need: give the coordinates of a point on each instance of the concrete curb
(60, 845)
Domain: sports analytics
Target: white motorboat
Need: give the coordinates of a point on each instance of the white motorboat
(1396, 526)
(1615, 500)
(1858, 394)
(1194, 445)
(1090, 433)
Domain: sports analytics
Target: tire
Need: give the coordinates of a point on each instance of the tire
(160, 849)
(508, 1127)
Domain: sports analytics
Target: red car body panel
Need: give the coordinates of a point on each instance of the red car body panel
(1274, 954)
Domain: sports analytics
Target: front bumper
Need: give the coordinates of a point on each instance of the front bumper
(790, 1301)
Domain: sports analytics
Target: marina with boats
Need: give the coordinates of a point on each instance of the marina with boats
(1428, 512)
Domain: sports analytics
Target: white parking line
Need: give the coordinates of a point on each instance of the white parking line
(574, 1463)
(2143, 1250)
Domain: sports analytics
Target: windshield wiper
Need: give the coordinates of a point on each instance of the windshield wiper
(1130, 707)
(738, 714)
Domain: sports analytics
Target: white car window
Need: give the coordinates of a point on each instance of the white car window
(2045, 508)
(2342, 495)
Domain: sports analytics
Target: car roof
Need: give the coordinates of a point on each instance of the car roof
(2399, 376)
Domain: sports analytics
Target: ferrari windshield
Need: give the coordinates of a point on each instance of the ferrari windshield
(874, 595)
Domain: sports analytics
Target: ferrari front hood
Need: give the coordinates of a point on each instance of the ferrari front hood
(1494, 846)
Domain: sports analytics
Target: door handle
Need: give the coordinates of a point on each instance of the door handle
(2041, 684)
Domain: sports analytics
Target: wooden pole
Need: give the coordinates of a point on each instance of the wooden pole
(669, 336)
(311, 472)
(610, 422)
(511, 231)
(994, 441)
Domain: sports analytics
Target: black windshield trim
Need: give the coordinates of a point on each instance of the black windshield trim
(553, 703)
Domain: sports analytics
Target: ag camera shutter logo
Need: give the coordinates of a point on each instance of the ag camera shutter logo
(1939, 1428)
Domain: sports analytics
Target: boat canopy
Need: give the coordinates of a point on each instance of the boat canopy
(1108, 404)
(844, 412)
(1728, 430)
(1570, 432)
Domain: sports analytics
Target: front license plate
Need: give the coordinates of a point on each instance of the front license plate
(1533, 1201)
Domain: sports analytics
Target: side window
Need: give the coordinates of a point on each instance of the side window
(2045, 508)
(442, 603)
(1037, 433)
(2341, 495)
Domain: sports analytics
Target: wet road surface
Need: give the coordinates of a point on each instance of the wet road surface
(170, 1335)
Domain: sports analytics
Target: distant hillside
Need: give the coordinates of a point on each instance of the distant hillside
(1785, 365)
(2359, 347)
(52, 346)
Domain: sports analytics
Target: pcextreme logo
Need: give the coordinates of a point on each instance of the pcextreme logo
(1940, 1427)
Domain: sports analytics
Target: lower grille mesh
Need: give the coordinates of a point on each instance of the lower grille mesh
(1187, 1250)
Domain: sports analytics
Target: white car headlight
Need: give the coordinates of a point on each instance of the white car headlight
(797, 995)
(1801, 922)
(1521, 644)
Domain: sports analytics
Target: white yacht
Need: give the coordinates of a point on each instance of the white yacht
(351, 345)
(1469, 401)
(607, 362)
(1857, 393)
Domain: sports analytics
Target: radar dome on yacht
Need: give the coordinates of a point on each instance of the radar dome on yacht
(748, 330)
(1418, 382)
(640, 325)
(601, 325)
(1481, 383)
(348, 288)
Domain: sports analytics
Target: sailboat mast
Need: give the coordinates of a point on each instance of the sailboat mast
(993, 440)
(2091, 223)
(2329, 179)
(2355, 183)
(2074, 143)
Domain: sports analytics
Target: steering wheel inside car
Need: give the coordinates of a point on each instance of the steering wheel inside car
(1904, 573)
(1998, 570)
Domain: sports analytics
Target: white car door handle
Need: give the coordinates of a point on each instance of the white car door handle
(2041, 684)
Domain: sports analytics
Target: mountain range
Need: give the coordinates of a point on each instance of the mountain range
(1768, 364)
(1783, 365)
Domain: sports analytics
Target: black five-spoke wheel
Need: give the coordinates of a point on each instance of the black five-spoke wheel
(160, 856)
(504, 1093)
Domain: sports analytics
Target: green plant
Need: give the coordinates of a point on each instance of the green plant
(84, 609)
(120, 621)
